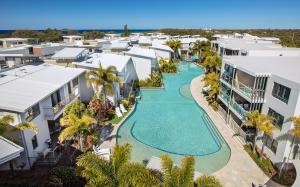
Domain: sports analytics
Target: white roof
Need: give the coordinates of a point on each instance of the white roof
(68, 53)
(119, 45)
(161, 47)
(191, 40)
(142, 52)
(12, 39)
(285, 67)
(9, 150)
(106, 60)
(22, 87)
(73, 36)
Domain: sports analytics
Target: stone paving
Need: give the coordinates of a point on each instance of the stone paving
(240, 170)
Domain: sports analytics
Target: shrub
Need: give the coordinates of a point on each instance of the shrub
(154, 81)
(167, 67)
(125, 102)
(77, 108)
(208, 181)
(65, 174)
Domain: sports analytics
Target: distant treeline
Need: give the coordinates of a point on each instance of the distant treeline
(288, 37)
(51, 35)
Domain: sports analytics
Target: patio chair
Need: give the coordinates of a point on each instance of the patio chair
(101, 151)
(118, 112)
(123, 109)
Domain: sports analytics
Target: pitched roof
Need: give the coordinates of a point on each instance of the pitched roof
(68, 53)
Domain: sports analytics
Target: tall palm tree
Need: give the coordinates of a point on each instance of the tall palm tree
(118, 171)
(212, 63)
(104, 78)
(177, 176)
(77, 128)
(6, 127)
(175, 45)
(262, 123)
(200, 46)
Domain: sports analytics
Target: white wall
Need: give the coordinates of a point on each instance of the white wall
(162, 54)
(142, 67)
(86, 93)
(274, 52)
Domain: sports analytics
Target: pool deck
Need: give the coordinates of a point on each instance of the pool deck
(240, 170)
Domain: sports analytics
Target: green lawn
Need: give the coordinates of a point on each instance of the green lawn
(117, 120)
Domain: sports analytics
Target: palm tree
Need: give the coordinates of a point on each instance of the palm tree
(213, 80)
(262, 123)
(175, 45)
(212, 63)
(200, 46)
(118, 171)
(178, 176)
(6, 128)
(208, 181)
(105, 78)
(78, 128)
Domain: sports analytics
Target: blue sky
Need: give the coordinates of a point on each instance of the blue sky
(149, 14)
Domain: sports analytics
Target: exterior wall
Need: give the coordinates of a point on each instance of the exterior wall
(162, 54)
(142, 66)
(285, 109)
(86, 93)
(274, 52)
(24, 51)
(46, 50)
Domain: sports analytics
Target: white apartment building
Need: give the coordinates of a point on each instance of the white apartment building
(144, 60)
(11, 42)
(125, 71)
(162, 51)
(39, 94)
(269, 85)
(73, 39)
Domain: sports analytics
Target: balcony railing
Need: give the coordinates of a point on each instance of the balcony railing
(246, 90)
(234, 105)
(226, 78)
(51, 112)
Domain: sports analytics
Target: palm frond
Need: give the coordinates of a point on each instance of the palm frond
(186, 172)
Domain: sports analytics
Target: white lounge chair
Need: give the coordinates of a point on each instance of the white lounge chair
(101, 151)
(123, 109)
(118, 112)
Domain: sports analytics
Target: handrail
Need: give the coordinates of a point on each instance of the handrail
(213, 129)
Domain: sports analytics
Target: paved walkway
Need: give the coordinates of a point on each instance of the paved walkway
(240, 170)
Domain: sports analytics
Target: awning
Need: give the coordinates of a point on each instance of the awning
(9, 150)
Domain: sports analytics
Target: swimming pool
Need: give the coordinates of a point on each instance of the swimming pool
(168, 121)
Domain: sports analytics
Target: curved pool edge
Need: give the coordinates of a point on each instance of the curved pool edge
(214, 123)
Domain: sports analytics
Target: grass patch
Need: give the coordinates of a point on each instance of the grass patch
(116, 120)
(265, 164)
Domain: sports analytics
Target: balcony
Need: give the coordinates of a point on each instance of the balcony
(226, 78)
(51, 113)
(244, 89)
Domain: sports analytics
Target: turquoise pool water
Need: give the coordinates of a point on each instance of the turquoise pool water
(169, 121)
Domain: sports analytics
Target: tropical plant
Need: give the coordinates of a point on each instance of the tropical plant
(104, 78)
(155, 80)
(77, 128)
(66, 175)
(177, 176)
(167, 67)
(77, 108)
(100, 111)
(207, 181)
(199, 46)
(126, 31)
(118, 171)
(262, 123)
(213, 80)
(6, 128)
(175, 45)
(212, 63)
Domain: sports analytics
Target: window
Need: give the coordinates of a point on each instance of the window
(277, 119)
(69, 88)
(75, 82)
(281, 92)
(270, 143)
(31, 113)
(55, 98)
(34, 142)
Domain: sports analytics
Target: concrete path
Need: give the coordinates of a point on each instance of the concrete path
(240, 170)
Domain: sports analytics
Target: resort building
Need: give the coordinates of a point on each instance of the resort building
(11, 42)
(46, 50)
(162, 51)
(70, 54)
(269, 85)
(74, 39)
(39, 94)
(125, 71)
(144, 60)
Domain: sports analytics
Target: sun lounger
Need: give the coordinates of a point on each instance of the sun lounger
(118, 112)
(123, 109)
(101, 151)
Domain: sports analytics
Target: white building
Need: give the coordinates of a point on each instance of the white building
(47, 49)
(70, 54)
(125, 71)
(162, 51)
(73, 39)
(39, 94)
(269, 85)
(11, 42)
(144, 60)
